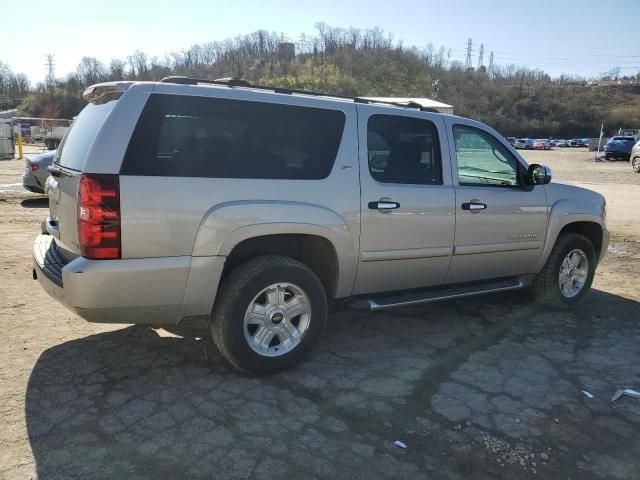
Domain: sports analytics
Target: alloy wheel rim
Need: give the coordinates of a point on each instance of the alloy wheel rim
(277, 319)
(636, 164)
(573, 273)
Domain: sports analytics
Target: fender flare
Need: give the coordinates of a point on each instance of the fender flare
(227, 224)
(563, 213)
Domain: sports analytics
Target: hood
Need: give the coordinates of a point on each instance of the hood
(588, 199)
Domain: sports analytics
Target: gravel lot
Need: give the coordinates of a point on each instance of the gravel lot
(483, 388)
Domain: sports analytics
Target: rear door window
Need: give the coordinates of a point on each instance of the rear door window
(187, 136)
(403, 150)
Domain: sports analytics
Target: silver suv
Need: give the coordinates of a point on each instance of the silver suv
(250, 209)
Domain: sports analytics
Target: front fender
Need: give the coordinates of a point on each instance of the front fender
(226, 225)
(571, 210)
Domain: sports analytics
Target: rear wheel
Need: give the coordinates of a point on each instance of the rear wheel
(568, 273)
(635, 163)
(269, 314)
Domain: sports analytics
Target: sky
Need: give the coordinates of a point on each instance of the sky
(584, 38)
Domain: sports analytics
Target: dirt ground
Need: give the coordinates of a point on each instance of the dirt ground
(482, 388)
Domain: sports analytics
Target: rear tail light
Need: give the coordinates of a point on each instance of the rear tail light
(99, 216)
(34, 167)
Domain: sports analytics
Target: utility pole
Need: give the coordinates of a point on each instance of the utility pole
(469, 52)
(491, 65)
(481, 57)
(50, 79)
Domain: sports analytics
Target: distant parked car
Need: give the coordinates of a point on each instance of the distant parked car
(541, 145)
(619, 148)
(635, 158)
(524, 144)
(36, 173)
(511, 140)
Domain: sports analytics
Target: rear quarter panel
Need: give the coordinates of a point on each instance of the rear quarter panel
(174, 216)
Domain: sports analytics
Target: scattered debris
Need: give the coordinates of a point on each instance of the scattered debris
(544, 456)
(627, 391)
(400, 444)
(587, 394)
(506, 454)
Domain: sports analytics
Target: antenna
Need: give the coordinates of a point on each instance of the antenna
(469, 51)
(481, 57)
(50, 79)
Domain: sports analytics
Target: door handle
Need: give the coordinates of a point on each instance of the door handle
(474, 206)
(383, 205)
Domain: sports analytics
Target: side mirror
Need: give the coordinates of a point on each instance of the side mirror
(538, 174)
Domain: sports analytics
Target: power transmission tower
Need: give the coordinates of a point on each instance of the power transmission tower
(491, 65)
(469, 52)
(51, 70)
(481, 57)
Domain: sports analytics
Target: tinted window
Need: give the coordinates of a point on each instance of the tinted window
(76, 143)
(186, 136)
(403, 150)
(482, 159)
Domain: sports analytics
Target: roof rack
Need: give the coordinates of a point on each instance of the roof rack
(238, 82)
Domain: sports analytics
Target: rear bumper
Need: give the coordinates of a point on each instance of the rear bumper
(31, 183)
(152, 291)
(618, 155)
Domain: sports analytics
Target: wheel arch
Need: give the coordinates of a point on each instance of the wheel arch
(590, 226)
(315, 251)
(244, 229)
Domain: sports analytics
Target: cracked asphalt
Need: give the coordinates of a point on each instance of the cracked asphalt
(483, 388)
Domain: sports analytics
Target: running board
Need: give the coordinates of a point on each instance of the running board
(415, 298)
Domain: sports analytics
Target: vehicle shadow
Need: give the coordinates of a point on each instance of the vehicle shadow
(39, 202)
(133, 404)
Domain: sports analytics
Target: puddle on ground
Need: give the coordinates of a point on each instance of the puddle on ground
(11, 187)
(618, 250)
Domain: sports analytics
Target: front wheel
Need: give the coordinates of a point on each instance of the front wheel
(269, 314)
(635, 164)
(568, 273)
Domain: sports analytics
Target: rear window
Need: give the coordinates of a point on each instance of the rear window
(76, 143)
(185, 136)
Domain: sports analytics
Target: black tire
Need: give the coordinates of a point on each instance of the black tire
(237, 292)
(546, 285)
(635, 164)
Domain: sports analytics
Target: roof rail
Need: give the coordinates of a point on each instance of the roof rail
(238, 82)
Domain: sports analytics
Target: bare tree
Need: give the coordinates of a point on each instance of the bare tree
(117, 69)
(90, 70)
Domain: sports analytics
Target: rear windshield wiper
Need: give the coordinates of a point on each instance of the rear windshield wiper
(56, 171)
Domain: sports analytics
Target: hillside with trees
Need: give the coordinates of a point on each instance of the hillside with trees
(514, 100)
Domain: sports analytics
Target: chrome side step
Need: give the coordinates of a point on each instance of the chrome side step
(434, 295)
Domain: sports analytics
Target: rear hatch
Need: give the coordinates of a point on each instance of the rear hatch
(66, 171)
